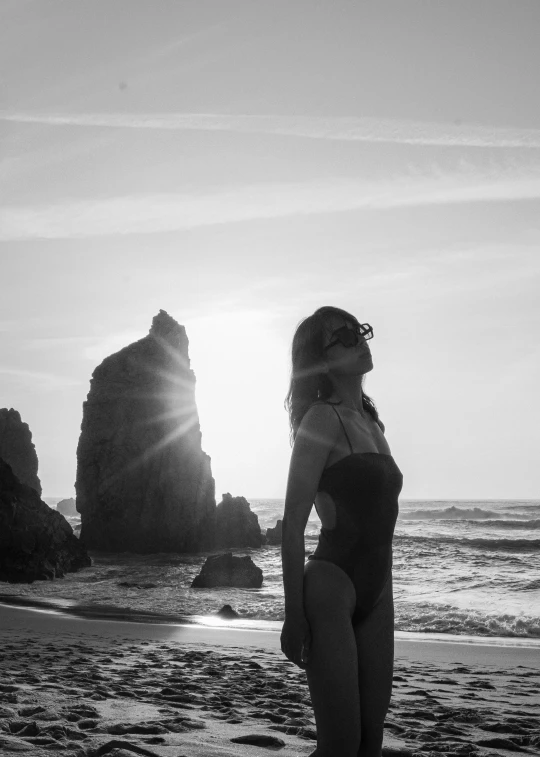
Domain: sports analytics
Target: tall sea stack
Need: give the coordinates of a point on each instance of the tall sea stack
(143, 482)
(17, 448)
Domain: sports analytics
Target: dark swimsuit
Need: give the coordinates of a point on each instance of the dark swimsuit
(365, 487)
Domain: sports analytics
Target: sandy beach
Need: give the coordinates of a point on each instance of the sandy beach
(92, 687)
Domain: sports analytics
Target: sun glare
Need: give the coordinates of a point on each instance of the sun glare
(240, 365)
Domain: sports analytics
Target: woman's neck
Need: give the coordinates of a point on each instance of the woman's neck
(348, 390)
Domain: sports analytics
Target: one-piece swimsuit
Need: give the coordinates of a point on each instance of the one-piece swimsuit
(364, 487)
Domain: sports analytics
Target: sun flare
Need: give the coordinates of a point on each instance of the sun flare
(239, 401)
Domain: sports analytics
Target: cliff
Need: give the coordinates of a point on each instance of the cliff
(144, 483)
(17, 449)
(36, 542)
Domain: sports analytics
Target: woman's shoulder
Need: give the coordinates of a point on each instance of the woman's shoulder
(319, 428)
(320, 413)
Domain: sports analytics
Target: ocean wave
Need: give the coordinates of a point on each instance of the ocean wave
(535, 506)
(454, 513)
(511, 545)
(429, 618)
(532, 524)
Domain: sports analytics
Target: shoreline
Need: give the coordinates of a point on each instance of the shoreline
(72, 608)
(410, 646)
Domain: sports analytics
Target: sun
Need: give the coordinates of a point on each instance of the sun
(241, 369)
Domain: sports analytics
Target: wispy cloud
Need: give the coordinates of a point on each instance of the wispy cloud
(94, 348)
(46, 343)
(145, 214)
(108, 345)
(348, 129)
(39, 380)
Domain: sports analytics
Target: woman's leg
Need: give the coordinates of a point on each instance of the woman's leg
(332, 668)
(375, 647)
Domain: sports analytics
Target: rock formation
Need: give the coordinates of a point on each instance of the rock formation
(143, 482)
(17, 449)
(236, 525)
(226, 570)
(67, 507)
(274, 535)
(227, 613)
(36, 542)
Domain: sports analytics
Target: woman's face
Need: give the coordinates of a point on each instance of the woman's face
(355, 360)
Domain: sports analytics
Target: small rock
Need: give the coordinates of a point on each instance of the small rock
(131, 585)
(227, 612)
(67, 507)
(256, 739)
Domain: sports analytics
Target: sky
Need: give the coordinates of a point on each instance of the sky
(240, 164)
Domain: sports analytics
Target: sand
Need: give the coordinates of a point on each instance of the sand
(99, 687)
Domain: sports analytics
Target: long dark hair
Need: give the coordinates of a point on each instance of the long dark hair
(309, 381)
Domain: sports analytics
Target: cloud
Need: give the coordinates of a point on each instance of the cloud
(46, 343)
(38, 380)
(347, 129)
(152, 213)
(94, 348)
(102, 347)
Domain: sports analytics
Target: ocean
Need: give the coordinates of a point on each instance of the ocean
(460, 567)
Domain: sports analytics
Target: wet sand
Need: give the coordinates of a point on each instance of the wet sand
(92, 687)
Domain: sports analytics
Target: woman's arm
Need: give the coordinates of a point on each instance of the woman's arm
(316, 436)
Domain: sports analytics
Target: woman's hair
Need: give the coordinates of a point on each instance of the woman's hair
(309, 379)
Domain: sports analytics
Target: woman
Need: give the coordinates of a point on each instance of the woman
(339, 617)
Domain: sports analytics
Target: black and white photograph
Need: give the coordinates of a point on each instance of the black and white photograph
(269, 378)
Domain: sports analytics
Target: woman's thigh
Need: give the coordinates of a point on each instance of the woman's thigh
(332, 669)
(375, 650)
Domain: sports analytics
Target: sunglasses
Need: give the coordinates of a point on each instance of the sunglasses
(349, 337)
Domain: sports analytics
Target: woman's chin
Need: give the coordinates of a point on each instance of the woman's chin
(367, 365)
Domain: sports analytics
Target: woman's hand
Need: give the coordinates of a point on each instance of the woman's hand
(296, 639)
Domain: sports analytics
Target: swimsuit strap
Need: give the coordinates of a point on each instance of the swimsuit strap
(343, 427)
